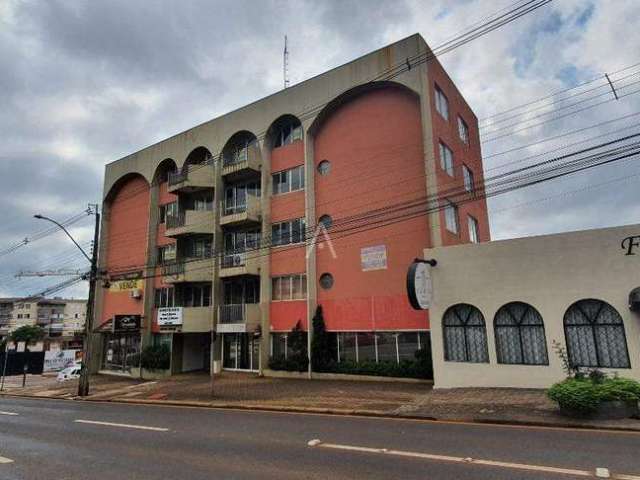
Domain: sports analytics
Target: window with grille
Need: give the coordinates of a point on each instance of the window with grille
(520, 337)
(595, 335)
(465, 335)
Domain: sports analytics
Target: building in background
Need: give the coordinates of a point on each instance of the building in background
(203, 234)
(61, 319)
(501, 310)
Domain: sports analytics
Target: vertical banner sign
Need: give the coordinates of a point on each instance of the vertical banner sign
(373, 258)
(419, 285)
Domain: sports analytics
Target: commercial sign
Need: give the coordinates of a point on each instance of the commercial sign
(373, 258)
(56, 360)
(419, 284)
(127, 323)
(169, 316)
(126, 285)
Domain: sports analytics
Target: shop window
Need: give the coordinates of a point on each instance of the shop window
(408, 344)
(520, 337)
(387, 348)
(347, 347)
(465, 335)
(595, 335)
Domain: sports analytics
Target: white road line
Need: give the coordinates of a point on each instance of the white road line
(5, 460)
(122, 425)
(472, 461)
(8, 413)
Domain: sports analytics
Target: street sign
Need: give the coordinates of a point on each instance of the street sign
(419, 284)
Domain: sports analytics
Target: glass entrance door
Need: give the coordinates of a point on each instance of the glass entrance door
(240, 351)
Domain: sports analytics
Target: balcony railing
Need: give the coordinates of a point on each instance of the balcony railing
(237, 259)
(173, 269)
(236, 156)
(175, 221)
(177, 177)
(235, 313)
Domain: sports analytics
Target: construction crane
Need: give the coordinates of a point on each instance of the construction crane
(53, 273)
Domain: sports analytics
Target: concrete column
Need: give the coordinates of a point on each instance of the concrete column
(218, 243)
(430, 160)
(265, 254)
(149, 270)
(310, 218)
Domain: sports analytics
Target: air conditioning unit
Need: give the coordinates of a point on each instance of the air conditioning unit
(136, 293)
(237, 260)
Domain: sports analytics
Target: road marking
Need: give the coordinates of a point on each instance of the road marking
(5, 460)
(8, 413)
(123, 425)
(472, 461)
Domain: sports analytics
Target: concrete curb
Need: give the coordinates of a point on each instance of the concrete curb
(340, 412)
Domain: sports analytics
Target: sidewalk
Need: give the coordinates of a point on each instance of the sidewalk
(390, 399)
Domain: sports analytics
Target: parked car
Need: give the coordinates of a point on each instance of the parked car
(69, 373)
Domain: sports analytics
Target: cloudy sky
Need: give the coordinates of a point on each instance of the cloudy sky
(85, 82)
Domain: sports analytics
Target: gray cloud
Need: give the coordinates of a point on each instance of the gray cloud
(86, 82)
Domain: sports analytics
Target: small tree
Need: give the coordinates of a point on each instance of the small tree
(28, 334)
(322, 351)
(297, 344)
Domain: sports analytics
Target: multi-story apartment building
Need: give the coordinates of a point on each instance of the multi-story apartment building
(63, 320)
(205, 235)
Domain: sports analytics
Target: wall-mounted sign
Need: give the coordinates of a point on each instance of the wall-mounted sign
(373, 258)
(126, 285)
(127, 323)
(419, 284)
(169, 316)
(630, 244)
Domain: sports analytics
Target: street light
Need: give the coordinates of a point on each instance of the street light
(83, 385)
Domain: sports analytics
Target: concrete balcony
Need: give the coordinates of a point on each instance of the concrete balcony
(241, 164)
(239, 215)
(239, 318)
(190, 221)
(192, 319)
(188, 270)
(194, 177)
(237, 264)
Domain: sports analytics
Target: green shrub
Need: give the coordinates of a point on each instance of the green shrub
(584, 395)
(295, 364)
(156, 357)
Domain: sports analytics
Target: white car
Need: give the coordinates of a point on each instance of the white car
(69, 373)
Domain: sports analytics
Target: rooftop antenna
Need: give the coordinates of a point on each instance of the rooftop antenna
(285, 63)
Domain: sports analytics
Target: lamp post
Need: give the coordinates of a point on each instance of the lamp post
(83, 385)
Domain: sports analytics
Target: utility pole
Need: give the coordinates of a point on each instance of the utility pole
(285, 63)
(83, 385)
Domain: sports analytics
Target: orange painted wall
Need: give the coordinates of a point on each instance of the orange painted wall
(126, 241)
(374, 144)
(469, 155)
(164, 197)
(287, 260)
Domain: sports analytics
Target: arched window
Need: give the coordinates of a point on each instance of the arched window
(595, 335)
(285, 130)
(465, 335)
(520, 335)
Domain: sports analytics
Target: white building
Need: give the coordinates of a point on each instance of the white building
(499, 308)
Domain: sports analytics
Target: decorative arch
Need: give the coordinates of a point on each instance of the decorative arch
(465, 334)
(126, 179)
(198, 156)
(351, 94)
(595, 336)
(236, 148)
(284, 130)
(164, 168)
(520, 337)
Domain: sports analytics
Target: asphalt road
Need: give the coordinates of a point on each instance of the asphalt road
(57, 439)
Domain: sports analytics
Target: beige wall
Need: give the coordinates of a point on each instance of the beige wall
(548, 272)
